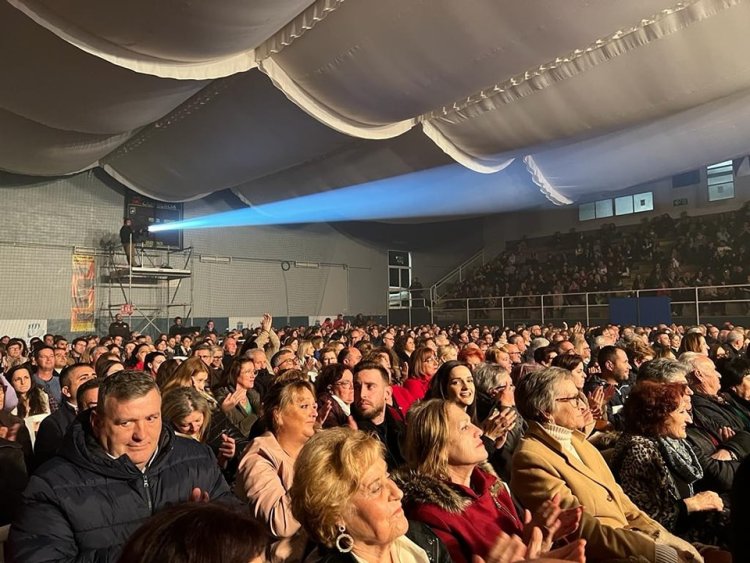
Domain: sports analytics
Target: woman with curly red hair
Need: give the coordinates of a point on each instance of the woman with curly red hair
(658, 469)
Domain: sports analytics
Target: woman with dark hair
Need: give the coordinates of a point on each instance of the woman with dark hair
(196, 533)
(404, 348)
(106, 367)
(454, 382)
(423, 365)
(335, 387)
(137, 358)
(152, 361)
(717, 352)
(239, 400)
(574, 364)
(657, 468)
(32, 400)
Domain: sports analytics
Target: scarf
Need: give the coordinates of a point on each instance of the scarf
(681, 459)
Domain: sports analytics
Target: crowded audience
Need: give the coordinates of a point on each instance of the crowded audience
(376, 443)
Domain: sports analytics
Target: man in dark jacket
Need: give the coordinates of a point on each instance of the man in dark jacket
(51, 431)
(117, 467)
(372, 389)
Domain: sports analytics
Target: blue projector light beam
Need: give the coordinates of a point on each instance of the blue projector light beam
(450, 190)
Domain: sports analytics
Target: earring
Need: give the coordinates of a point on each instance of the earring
(344, 542)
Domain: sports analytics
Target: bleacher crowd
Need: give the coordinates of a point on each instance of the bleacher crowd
(660, 253)
(377, 443)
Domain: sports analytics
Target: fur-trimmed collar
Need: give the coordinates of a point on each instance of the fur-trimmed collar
(422, 489)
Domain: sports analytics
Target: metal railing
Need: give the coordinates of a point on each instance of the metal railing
(689, 305)
(458, 274)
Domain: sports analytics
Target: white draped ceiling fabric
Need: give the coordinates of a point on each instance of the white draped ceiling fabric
(278, 98)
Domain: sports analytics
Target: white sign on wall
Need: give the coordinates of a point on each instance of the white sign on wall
(23, 328)
(240, 323)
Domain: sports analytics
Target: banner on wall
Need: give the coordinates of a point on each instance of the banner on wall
(83, 311)
(23, 328)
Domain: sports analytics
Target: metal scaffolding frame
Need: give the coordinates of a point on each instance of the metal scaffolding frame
(160, 270)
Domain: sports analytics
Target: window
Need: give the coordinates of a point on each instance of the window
(691, 178)
(643, 202)
(720, 179)
(623, 205)
(586, 211)
(399, 279)
(603, 208)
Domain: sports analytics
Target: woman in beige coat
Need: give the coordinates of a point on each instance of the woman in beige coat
(266, 471)
(554, 458)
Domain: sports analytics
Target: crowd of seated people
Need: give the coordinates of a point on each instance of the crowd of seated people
(378, 443)
(662, 252)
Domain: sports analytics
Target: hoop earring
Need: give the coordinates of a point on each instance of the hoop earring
(344, 542)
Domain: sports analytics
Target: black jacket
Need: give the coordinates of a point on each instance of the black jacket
(710, 413)
(83, 506)
(51, 432)
(419, 533)
(14, 459)
(391, 433)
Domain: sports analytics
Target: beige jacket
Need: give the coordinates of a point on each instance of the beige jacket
(265, 477)
(614, 528)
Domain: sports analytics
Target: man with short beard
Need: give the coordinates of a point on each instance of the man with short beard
(372, 393)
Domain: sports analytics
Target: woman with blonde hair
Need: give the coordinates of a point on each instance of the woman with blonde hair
(447, 352)
(451, 488)
(349, 506)
(190, 373)
(190, 414)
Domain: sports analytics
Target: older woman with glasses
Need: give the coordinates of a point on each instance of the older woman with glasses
(554, 458)
(239, 400)
(496, 408)
(658, 469)
(335, 387)
(423, 364)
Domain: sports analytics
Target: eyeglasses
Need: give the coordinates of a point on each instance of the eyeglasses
(345, 384)
(431, 359)
(576, 401)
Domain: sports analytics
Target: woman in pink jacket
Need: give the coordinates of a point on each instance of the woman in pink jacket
(266, 471)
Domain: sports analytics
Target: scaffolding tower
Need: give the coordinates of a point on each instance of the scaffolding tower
(147, 289)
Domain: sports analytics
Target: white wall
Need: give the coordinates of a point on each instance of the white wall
(499, 229)
(42, 221)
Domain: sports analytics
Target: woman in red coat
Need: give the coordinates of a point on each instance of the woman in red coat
(423, 364)
(450, 488)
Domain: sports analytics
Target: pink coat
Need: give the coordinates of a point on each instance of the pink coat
(265, 476)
